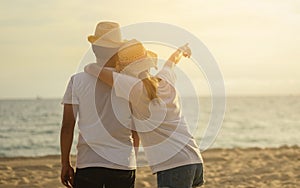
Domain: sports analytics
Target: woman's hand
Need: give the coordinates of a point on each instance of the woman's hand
(186, 50)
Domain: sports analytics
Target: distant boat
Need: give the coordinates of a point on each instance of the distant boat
(38, 98)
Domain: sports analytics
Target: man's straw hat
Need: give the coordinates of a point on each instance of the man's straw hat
(107, 34)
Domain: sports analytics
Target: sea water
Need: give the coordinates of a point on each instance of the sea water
(32, 127)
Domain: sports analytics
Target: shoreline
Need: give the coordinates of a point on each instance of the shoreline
(236, 167)
(210, 150)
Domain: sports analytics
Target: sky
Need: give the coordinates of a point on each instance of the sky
(255, 42)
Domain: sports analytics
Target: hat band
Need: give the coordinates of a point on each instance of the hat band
(136, 59)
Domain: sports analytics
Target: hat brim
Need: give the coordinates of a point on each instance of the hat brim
(103, 42)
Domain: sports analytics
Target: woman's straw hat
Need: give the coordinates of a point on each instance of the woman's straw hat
(107, 34)
(134, 58)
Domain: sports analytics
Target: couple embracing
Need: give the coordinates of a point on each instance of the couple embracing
(118, 104)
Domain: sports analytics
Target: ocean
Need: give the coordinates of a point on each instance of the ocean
(32, 127)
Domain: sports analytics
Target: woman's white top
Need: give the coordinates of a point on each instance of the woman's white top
(162, 128)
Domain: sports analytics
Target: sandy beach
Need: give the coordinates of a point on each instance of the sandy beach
(251, 167)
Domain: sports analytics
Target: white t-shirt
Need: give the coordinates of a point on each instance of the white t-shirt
(103, 141)
(163, 131)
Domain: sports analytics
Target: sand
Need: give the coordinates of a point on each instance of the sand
(251, 167)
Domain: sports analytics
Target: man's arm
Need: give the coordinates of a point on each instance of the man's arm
(66, 139)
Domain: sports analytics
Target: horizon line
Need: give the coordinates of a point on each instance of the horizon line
(201, 96)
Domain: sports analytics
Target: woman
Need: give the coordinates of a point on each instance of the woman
(170, 149)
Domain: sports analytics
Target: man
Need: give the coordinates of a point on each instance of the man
(105, 152)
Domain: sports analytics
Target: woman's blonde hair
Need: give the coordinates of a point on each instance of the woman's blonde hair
(149, 82)
(151, 85)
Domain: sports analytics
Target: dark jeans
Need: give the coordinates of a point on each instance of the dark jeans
(187, 176)
(98, 177)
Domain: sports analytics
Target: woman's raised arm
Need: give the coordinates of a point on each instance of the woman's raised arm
(184, 51)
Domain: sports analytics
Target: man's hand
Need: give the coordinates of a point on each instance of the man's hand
(67, 176)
